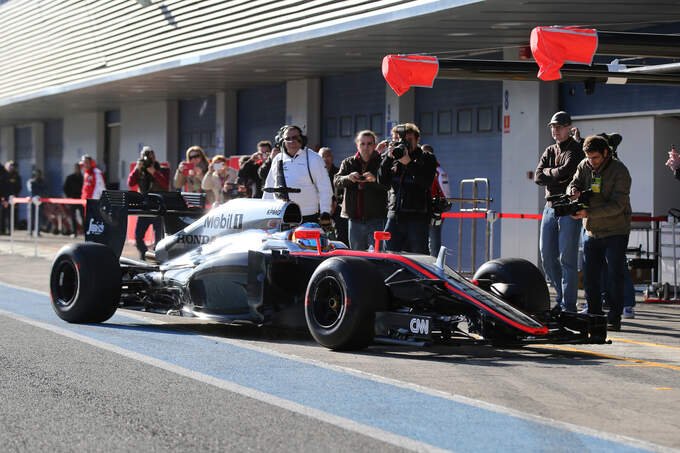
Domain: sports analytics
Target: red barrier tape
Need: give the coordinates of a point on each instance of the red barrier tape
(501, 215)
(22, 199)
(64, 201)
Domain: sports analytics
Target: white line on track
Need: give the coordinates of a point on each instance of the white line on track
(344, 423)
(323, 416)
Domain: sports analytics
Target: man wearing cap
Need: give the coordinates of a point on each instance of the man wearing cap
(560, 235)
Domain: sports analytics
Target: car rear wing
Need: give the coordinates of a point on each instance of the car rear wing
(106, 219)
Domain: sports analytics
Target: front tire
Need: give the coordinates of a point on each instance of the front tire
(85, 283)
(532, 295)
(340, 303)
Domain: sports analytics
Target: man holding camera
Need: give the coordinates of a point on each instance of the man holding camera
(364, 201)
(301, 168)
(407, 171)
(607, 224)
(148, 176)
(560, 235)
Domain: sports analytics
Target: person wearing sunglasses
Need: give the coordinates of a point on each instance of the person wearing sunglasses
(190, 172)
(301, 168)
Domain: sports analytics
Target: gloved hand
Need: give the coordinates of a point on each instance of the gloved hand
(325, 222)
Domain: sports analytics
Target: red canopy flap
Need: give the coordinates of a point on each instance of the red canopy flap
(405, 71)
(554, 46)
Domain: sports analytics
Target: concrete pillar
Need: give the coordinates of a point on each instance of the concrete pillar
(398, 109)
(173, 153)
(7, 151)
(527, 108)
(226, 127)
(303, 108)
(38, 142)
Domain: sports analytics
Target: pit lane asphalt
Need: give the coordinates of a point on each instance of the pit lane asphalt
(629, 388)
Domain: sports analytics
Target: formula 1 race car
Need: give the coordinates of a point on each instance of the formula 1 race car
(251, 261)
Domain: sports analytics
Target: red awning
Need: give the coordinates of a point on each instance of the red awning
(405, 71)
(554, 46)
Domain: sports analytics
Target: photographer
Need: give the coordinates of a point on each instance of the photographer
(560, 235)
(148, 176)
(189, 174)
(301, 168)
(364, 201)
(248, 174)
(606, 221)
(407, 171)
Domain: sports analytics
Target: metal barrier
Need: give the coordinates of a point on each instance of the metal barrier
(478, 205)
(30, 202)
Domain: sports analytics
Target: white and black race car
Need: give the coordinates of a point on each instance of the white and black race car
(251, 261)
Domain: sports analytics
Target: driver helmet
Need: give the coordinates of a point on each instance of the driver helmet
(311, 243)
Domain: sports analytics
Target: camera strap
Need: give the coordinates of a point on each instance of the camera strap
(310, 171)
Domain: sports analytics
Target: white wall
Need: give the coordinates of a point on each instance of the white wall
(303, 108)
(83, 134)
(142, 125)
(529, 106)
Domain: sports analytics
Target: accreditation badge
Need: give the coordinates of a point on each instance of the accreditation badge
(595, 184)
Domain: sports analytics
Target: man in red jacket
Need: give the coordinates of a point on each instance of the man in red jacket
(93, 179)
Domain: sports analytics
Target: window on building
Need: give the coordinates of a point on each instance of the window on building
(484, 119)
(360, 123)
(444, 122)
(464, 117)
(345, 126)
(426, 123)
(331, 127)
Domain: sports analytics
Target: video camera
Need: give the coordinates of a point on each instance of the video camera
(401, 146)
(564, 205)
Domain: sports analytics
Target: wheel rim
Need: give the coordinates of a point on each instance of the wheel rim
(328, 303)
(66, 284)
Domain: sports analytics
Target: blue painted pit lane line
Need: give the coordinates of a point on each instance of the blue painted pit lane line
(424, 418)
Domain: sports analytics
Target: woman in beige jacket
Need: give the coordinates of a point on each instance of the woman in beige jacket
(190, 173)
(219, 181)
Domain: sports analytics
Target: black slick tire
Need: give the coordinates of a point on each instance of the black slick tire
(85, 283)
(340, 302)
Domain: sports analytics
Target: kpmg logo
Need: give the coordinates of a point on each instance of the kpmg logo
(276, 212)
(95, 228)
(421, 326)
(223, 222)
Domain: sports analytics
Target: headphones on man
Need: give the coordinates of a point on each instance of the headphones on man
(280, 134)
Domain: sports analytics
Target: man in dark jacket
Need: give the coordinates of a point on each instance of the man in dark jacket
(364, 201)
(73, 187)
(408, 172)
(560, 235)
(13, 184)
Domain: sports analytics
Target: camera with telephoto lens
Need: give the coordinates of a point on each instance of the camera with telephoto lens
(401, 146)
(564, 205)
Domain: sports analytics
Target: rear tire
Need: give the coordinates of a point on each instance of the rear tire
(340, 302)
(85, 283)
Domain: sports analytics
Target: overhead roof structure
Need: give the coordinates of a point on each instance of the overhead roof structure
(297, 39)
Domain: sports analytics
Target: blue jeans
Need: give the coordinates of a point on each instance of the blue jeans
(435, 241)
(559, 252)
(143, 223)
(598, 253)
(361, 232)
(407, 235)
